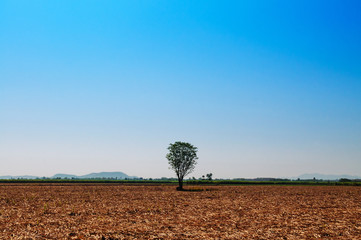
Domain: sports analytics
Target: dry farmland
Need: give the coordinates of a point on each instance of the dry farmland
(77, 211)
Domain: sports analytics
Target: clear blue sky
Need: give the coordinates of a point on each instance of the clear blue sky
(262, 88)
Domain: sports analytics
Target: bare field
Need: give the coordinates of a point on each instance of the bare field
(76, 211)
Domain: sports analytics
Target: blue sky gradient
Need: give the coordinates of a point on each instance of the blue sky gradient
(262, 88)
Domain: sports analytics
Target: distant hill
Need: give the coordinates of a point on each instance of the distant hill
(100, 175)
(326, 176)
(19, 177)
(119, 175)
(60, 175)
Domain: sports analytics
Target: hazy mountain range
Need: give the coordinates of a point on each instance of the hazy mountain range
(326, 176)
(118, 175)
(121, 175)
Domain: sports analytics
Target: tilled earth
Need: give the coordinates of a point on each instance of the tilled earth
(74, 211)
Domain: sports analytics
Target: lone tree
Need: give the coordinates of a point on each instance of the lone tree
(182, 158)
(209, 176)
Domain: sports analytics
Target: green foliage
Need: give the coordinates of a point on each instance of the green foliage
(345, 180)
(173, 182)
(182, 158)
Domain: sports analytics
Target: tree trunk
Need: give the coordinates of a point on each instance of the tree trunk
(180, 182)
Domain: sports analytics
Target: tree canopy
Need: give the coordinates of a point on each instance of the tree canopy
(182, 158)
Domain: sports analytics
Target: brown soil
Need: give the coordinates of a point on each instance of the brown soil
(160, 212)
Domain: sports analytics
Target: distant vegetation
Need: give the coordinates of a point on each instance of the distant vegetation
(173, 181)
(100, 175)
(207, 179)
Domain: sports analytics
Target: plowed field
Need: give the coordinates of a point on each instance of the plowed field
(159, 212)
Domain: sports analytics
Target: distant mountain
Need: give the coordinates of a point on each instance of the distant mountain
(60, 175)
(18, 177)
(326, 176)
(100, 175)
(119, 175)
